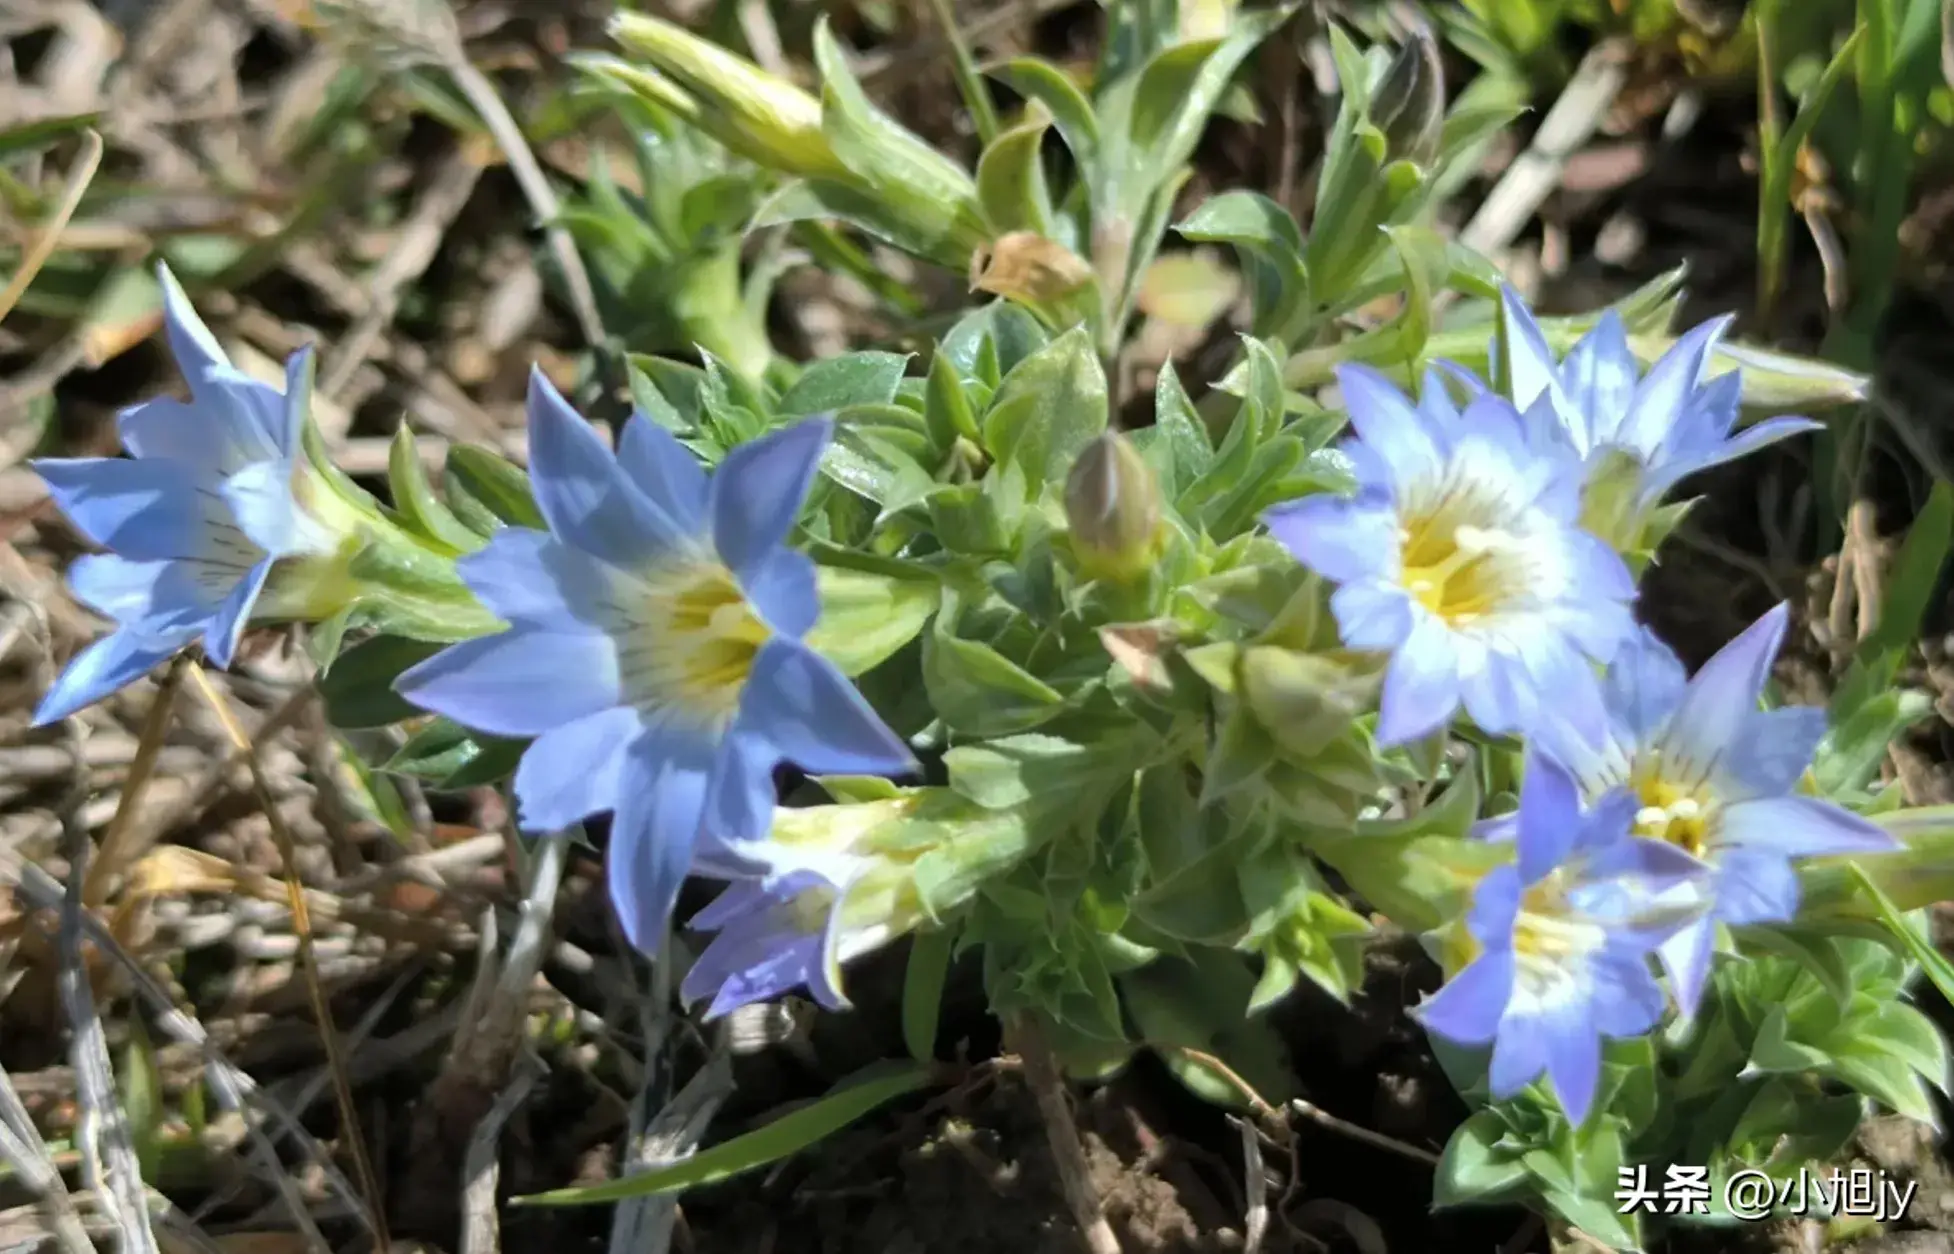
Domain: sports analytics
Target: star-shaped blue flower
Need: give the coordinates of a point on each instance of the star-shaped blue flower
(1459, 556)
(210, 499)
(1715, 776)
(1658, 428)
(1565, 933)
(655, 650)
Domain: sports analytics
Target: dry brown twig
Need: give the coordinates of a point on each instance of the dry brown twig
(1062, 1131)
(374, 1208)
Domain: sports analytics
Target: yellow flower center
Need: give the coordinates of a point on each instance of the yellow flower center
(1458, 571)
(1679, 815)
(696, 637)
(1548, 937)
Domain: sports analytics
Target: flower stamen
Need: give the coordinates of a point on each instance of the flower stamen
(695, 638)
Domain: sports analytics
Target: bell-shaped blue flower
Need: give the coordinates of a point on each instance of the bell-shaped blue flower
(654, 650)
(1565, 933)
(1717, 777)
(1459, 556)
(1640, 434)
(215, 493)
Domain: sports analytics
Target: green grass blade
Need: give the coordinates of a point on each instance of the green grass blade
(785, 1136)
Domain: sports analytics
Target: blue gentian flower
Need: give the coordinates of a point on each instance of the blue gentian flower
(773, 937)
(655, 650)
(1460, 557)
(1717, 777)
(1641, 434)
(215, 493)
(1565, 933)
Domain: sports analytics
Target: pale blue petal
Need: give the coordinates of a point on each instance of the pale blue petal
(761, 955)
(1627, 1000)
(297, 405)
(1644, 684)
(1519, 1055)
(784, 588)
(1771, 756)
(1421, 686)
(740, 793)
(1532, 369)
(1497, 695)
(1599, 375)
(260, 497)
(234, 615)
(1495, 904)
(1387, 422)
(665, 471)
(213, 440)
(1339, 539)
(1801, 827)
(145, 510)
(1666, 390)
(130, 592)
(652, 837)
(575, 770)
(582, 491)
(1755, 884)
(110, 664)
(528, 577)
(1722, 698)
(1373, 616)
(521, 682)
(1686, 956)
(196, 350)
(807, 710)
(757, 492)
(1550, 817)
(1573, 1057)
(1468, 1007)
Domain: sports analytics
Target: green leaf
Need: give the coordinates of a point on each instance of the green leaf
(1011, 180)
(496, 484)
(806, 201)
(866, 618)
(946, 406)
(1475, 1167)
(1931, 960)
(450, 756)
(1816, 954)
(1774, 1050)
(1248, 220)
(864, 378)
(415, 501)
(922, 990)
(863, 459)
(41, 133)
(1048, 408)
(1180, 87)
(1850, 755)
(918, 185)
(1014, 770)
(790, 1134)
(1071, 112)
(1012, 333)
(977, 690)
(1177, 444)
(358, 690)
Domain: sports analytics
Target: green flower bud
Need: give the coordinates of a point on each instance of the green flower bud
(1303, 700)
(1409, 106)
(765, 119)
(1112, 504)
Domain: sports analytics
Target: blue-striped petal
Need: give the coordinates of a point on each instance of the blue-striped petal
(228, 623)
(145, 510)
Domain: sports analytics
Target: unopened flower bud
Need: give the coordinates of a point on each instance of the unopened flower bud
(1409, 106)
(1112, 504)
(765, 119)
(1303, 700)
